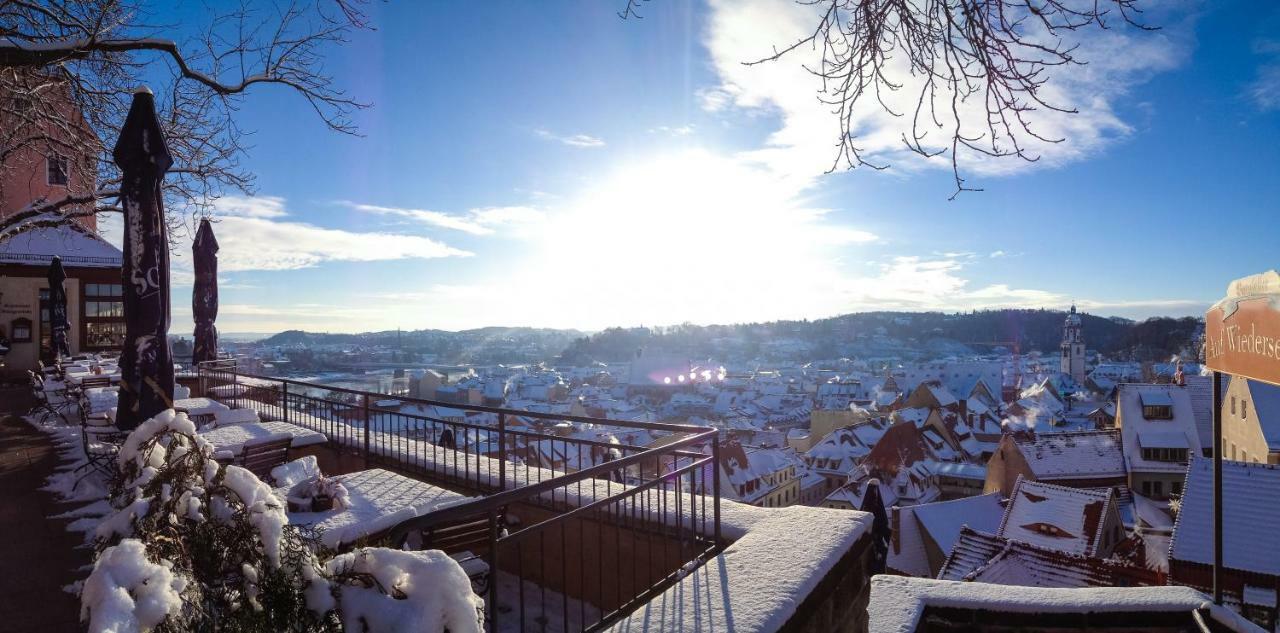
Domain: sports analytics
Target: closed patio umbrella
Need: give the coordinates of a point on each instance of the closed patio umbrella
(59, 324)
(146, 363)
(204, 295)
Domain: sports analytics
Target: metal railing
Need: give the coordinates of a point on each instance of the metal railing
(581, 522)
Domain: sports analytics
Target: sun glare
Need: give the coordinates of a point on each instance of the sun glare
(693, 236)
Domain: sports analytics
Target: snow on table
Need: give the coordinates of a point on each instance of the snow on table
(897, 603)
(379, 499)
(102, 398)
(199, 406)
(232, 437)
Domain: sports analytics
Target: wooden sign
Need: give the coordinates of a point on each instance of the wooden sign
(1242, 331)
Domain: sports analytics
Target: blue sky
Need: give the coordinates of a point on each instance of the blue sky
(550, 164)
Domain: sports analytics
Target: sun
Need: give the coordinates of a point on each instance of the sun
(692, 236)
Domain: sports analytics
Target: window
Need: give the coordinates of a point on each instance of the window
(103, 312)
(1146, 489)
(58, 170)
(1158, 486)
(1244, 409)
(1177, 487)
(1233, 405)
(1157, 412)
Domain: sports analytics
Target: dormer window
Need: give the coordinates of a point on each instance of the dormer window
(1156, 405)
(58, 170)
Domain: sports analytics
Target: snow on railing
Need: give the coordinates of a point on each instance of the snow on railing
(598, 524)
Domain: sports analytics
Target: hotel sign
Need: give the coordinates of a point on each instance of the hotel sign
(1242, 332)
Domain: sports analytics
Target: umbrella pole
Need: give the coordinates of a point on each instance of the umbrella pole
(1217, 488)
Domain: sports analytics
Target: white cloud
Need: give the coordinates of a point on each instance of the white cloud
(259, 244)
(573, 140)
(683, 130)
(430, 218)
(478, 221)
(250, 206)
(1264, 90)
(803, 147)
(251, 236)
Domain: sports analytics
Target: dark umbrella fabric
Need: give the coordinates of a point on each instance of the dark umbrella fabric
(146, 362)
(204, 295)
(880, 531)
(59, 324)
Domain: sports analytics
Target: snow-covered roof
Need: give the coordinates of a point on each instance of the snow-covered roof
(76, 245)
(987, 558)
(959, 470)
(1056, 517)
(943, 520)
(1200, 389)
(1077, 454)
(898, 603)
(1250, 514)
(1141, 432)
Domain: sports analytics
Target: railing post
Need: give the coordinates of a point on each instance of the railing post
(502, 451)
(715, 482)
(492, 587)
(366, 431)
(284, 400)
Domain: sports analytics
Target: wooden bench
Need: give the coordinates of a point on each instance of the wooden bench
(260, 456)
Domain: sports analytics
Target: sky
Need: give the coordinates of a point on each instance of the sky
(550, 164)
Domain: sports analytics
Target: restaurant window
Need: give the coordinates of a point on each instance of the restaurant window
(59, 169)
(103, 311)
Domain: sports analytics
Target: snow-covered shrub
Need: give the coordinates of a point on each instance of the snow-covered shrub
(195, 545)
(382, 589)
(219, 531)
(128, 592)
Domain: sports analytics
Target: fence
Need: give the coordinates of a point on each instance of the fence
(577, 526)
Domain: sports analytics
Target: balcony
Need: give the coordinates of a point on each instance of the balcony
(584, 531)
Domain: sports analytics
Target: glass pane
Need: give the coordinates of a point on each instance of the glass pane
(91, 290)
(110, 334)
(117, 290)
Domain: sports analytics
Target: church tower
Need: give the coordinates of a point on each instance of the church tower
(1073, 347)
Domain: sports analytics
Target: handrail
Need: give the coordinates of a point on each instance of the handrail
(656, 503)
(506, 497)
(659, 426)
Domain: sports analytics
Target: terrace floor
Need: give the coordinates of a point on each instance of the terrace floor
(37, 553)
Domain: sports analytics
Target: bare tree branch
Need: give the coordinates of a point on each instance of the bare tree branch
(68, 69)
(980, 68)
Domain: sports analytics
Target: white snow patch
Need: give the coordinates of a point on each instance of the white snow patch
(127, 592)
(426, 591)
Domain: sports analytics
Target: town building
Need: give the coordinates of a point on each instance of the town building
(1073, 347)
(1079, 459)
(94, 293)
(1251, 421)
(1071, 520)
(1250, 514)
(923, 535)
(1158, 428)
(46, 171)
(766, 477)
(980, 556)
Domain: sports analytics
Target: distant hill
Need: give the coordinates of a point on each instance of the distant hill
(864, 335)
(882, 334)
(481, 345)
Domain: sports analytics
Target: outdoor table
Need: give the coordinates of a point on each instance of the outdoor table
(102, 399)
(77, 378)
(232, 437)
(199, 406)
(378, 500)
